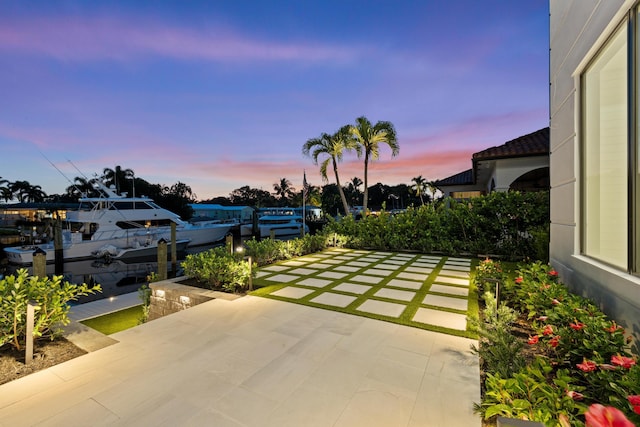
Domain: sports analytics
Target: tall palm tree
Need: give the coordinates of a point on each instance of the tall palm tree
(5, 192)
(433, 189)
(117, 176)
(419, 187)
(23, 191)
(369, 137)
(284, 190)
(333, 147)
(79, 187)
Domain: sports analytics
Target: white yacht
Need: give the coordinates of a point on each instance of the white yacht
(122, 222)
(277, 223)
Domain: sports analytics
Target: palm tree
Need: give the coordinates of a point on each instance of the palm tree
(369, 138)
(5, 192)
(23, 191)
(284, 190)
(79, 187)
(333, 147)
(419, 187)
(117, 176)
(433, 189)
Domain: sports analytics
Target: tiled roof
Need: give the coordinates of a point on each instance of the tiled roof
(462, 178)
(533, 144)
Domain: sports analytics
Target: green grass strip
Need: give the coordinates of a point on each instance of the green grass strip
(117, 321)
(266, 288)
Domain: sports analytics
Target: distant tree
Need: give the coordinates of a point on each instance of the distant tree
(333, 148)
(219, 200)
(353, 192)
(117, 177)
(5, 191)
(369, 137)
(247, 196)
(24, 192)
(284, 190)
(331, 202)
(433, 189)
(81, 186)
(419, 187)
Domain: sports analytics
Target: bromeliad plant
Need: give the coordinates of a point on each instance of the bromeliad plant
(584, 358)
(51, 298)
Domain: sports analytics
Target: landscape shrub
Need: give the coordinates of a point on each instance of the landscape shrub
(268, 251)
(51, 297)
(582, 357)
(218, 268)
(511, 225)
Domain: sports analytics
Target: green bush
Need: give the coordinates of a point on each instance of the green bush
(219, 269)
(268, 251)
(499, 349)
(51, 297)
(512, 225)
(583, 357)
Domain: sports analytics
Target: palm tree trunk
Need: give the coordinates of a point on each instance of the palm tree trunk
(345, 205)
(366, 184)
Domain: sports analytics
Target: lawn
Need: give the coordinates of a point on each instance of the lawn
(117, 321)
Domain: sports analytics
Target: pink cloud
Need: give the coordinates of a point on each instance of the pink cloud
(89, 38)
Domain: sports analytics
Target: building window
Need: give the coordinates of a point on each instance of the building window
(605, 148)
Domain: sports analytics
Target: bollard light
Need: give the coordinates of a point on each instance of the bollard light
(31, 309)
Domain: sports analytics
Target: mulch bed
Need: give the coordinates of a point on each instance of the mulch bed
(46, 353)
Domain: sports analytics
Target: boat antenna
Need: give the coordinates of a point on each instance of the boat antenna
(79, 171)
(56, 168)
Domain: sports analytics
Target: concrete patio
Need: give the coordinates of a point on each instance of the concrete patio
(257, 362)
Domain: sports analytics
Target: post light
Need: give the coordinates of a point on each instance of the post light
(250, 260)
(31, 309)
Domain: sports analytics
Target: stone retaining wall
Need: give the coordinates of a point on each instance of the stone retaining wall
(169, 296)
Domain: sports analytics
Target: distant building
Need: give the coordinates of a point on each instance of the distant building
(595, 147)
(204, 211)
(520, 164)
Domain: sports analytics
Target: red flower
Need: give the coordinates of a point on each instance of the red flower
(606, 416)
(519, 279)
(625, 362)
(634, 399)
(533, 340)
(614, 327)
(553, 342)
(553, 273)
(578, 326)
(587, 366)
(548, 330)
(575, 395)
(636, 409)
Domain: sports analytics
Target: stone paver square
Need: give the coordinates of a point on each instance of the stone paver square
(282, 278)
(395, 261)
(395, 294)
(378, 272)
(275, 268)
(263, 273)
(381, 254)
(347, 268)
(323, 255)
(407, 284)
(332, 274)
(452, 280)
(292, 292)
(360, 252)
(314, 282)
(358, 264)
(309, 259)
(302, 271)
(435, 259)
(388, 266)
(441, 318)
(352, 288)
(450, 290)
(423, 270)
(321, 265)
(381, 307)
(368, 260)
(412, 276)
(456, 267)
(461, 274)
(424, 264)
(367, 279)
(294, 263)
(333, 261)
(447, 302)
(336, 300)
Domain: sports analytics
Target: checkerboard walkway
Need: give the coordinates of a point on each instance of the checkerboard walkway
(419, 290)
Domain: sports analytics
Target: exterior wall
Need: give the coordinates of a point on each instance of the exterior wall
(508, 170)
(577, 30)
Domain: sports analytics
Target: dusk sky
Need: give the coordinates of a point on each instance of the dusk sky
(222, 94)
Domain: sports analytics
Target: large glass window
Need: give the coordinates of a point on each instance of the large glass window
(605, 172)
